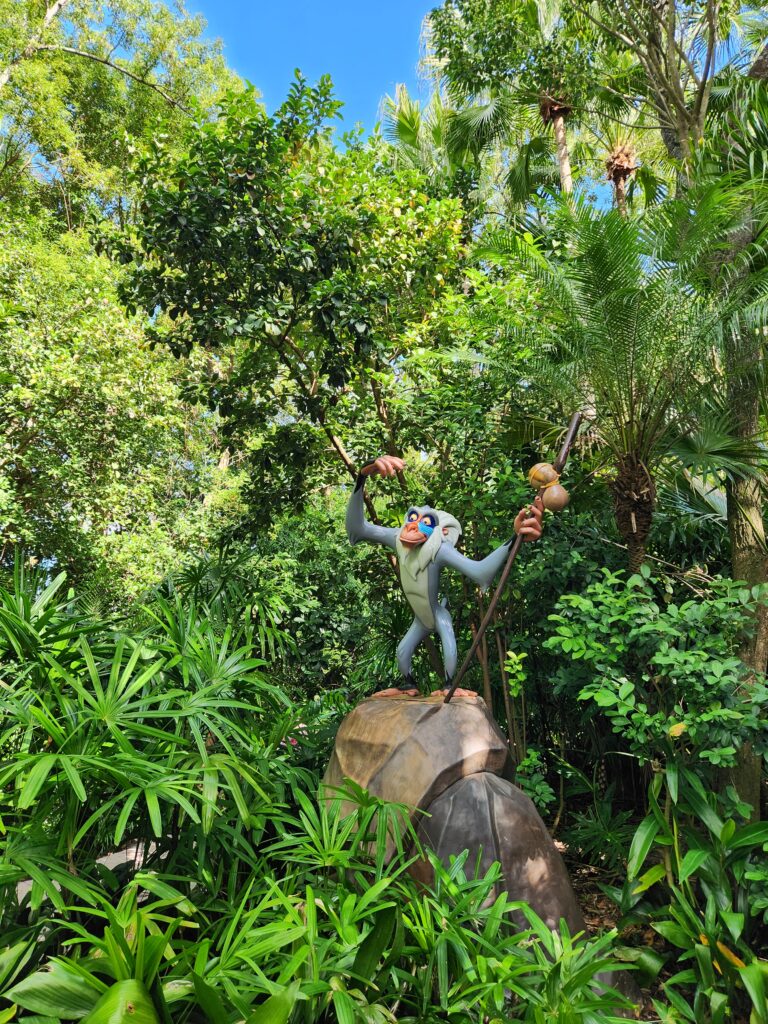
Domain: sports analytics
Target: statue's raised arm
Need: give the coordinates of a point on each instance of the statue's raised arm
(358, 527)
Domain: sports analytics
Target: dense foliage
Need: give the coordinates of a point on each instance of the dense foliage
(210, 317)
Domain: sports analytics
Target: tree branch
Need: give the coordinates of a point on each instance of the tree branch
(116, 67)
(52, 12)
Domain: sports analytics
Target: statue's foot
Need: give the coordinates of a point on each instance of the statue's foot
(459, 692)
(395, 691)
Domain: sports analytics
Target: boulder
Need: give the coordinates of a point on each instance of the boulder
(496, 821)
(452, 762)
(411, 749)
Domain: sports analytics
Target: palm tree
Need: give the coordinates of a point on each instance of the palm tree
(627, 340)
(719, 233)
(421, 139)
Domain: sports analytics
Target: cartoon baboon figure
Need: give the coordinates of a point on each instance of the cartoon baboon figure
(426, 544)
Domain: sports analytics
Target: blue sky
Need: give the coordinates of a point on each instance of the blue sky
(366, 47)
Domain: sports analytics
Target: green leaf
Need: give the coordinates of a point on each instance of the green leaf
(649, 878)
(56, 992)
(12, 959)
(704, 960)
(374, 944)
(750, 835)
(754, 982)
(209, 1001)
(673, 933)
(277, 1009)
(153, 806)
(691, 862)
(34, 781)
(697, 800)
(734, 922)
(344, 1007)
(74, 777)
(642, 842)
(673, 781)
(123, 1002)
(149, 881)
(647, 961)
(679, 1004)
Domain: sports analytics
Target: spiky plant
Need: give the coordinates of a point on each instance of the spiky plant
(627, 341)
(421, 139)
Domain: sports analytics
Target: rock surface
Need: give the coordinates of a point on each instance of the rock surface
(411, 749)
(452, 761)
(496, 821)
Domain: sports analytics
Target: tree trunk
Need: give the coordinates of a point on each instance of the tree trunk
(634, 498)
(749, 559)
(563, 156)
(53, 11)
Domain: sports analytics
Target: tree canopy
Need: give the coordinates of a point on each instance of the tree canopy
(212, 315)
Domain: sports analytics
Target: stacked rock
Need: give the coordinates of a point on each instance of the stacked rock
(452, 762)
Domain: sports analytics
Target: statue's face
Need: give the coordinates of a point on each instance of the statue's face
(419, 525)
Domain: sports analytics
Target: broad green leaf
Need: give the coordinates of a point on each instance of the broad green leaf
(734, 922)
(673, 933)
(649, 878)
(641, 845)
(691, 862)
(750, 835)
(753, 980)
(123, 1002)
(372, 947)
(56, 992)
(209, 1001)
(344, 1007)
(277, 1009)
(11, 959)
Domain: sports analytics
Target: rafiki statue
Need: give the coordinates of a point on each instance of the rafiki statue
(425, 544)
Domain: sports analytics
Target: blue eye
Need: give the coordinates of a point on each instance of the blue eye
(412, 517)
(429, 521)
(424, 527)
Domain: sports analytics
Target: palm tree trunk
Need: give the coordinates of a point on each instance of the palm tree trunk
(746, 527)
(634, 499)
(563, 156)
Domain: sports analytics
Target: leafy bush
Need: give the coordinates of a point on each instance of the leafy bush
(698, 881)
(667, 675)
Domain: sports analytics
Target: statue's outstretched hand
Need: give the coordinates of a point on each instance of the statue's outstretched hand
(528, 521)
(385, 465)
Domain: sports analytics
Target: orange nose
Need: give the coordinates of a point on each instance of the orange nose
(410, 534)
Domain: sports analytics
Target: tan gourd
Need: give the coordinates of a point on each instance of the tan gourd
(555, 498)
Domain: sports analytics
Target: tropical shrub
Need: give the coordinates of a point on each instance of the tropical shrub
(667, 675)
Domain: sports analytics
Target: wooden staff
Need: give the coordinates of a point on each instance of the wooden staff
(558, 465)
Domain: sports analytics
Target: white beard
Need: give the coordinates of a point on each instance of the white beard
(415, 559)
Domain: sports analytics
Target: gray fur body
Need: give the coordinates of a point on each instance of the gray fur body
(421, 582)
